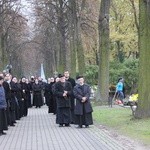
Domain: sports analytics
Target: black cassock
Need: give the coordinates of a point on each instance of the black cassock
(49, 97)
(16, 87)
(63, 103)
(54, 98)
(83, 111)
(8, 97)
(73, 83)
(19, 98)
(37, 95)
(13, 103)
(29, 89)
(24, 89)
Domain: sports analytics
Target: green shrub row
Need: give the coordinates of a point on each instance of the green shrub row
(128, 70)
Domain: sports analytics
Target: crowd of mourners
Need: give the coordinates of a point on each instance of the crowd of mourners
(69, 99)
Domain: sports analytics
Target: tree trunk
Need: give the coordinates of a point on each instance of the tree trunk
(73, 47)
(80, 50)
(103, 78)
(1, 54)
(62, 37)
(135, 14)
(143, 109)
(80, 57)
(3, 51)
(77, 51)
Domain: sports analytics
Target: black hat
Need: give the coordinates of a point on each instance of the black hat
(61, 75)
(78, 77)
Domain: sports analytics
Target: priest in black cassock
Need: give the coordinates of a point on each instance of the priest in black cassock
(14, 90)
(9, 99)
(54, 96)
(63, 91)
(73, 83)
(83, 108)
(37, 94)
(49, 95)
(6, 86)
(24, 89)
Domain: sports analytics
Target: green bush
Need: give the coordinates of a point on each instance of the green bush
(128, 70)
(91, 74)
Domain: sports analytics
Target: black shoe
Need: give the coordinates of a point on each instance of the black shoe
(60, 125)
(87, 126)
(79, 126)
(3, 133)
(67, 125)
(12, 125)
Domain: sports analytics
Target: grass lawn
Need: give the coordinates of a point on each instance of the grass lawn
(121, 120)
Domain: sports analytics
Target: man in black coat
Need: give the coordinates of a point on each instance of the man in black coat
(63, 91)
(73, 83)
(83, 108)
(19, 98)
(37, 94)
(8, 97)
(32, 81)
(49, 95)
(10, 100)
(28, 92)
(24, 89)
(14, 89)
(54, 96)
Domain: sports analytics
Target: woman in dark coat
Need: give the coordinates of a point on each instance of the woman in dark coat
(49, 95)
(63, 91)
(3, 106)
(37, 94)
(83, 108)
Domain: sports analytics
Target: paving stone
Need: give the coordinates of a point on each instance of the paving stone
(38, 131)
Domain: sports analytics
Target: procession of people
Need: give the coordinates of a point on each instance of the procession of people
(67, 98)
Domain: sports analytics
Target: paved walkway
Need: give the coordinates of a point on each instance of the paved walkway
(38, 131)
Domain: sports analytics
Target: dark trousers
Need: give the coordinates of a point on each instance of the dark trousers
(3, 120)
(63, 115)
(85, 119)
